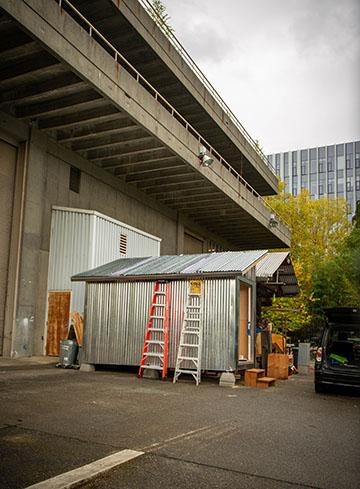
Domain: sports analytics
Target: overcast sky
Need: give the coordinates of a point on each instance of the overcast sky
(288, 69)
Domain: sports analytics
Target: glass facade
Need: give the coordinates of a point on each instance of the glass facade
(326, 171)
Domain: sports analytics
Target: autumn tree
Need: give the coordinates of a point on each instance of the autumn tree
(318, 229)
(337, 279)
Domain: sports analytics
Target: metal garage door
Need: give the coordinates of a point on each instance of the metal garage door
(7, 181)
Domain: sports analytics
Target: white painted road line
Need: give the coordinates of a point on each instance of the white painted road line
(86, 472)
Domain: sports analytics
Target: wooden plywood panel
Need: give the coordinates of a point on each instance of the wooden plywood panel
(58, 320)
(278, 366)
(243, 326)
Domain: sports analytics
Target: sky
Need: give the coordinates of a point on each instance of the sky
(288, 69)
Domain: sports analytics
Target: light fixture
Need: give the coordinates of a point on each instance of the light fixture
(273, 221)
(205, 159)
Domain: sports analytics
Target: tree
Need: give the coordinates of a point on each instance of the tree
(317, 227)
(318, 230)
(287, 314)
(337, 279)
(158, 13)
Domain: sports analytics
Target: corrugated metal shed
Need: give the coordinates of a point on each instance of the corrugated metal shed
(227, 263)
(269, 264)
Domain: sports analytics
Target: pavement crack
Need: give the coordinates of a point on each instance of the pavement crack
(65, 437)
(235, 471)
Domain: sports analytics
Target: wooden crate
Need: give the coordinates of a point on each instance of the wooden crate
(278, 366)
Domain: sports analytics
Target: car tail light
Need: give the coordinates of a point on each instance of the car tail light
(318, 357)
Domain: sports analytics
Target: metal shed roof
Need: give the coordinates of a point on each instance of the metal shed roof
(230, 262)
(269, 263)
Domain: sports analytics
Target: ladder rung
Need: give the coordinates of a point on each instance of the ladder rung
(160, 293)
(156, 355)
(152, 367)
(188, 358)
(193, 307)
(187, 345)
(192, 319)
(191, 332)
(183, 371)
(158, 330)
(154, 342)
(156, 317)
(194, 295)
(159, 305)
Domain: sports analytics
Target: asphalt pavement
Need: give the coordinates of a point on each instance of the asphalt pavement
(54, 420)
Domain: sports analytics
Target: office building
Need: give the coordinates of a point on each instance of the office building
(326, 171)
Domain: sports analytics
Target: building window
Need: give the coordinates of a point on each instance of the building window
(348, 186)
(357, 162)
(74, 179)
(330, 164)
(340, 173)
(357, 185)
(321, 166)
(349, 163)
(303, 169)
(123, 244)
(321, 189)
(330, 187)
(294, 170)
(294, 191)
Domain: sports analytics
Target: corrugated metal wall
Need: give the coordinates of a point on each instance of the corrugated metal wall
(81, 240)
(107, 242)
(70, 252)
(117, 314)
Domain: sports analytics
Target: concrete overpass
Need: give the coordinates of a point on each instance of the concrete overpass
(105, 83)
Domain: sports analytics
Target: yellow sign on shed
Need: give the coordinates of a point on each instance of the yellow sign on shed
(195, 286)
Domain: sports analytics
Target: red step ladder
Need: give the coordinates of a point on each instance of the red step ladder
(156, 344)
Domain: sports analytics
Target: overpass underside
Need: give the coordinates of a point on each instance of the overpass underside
(73, 87)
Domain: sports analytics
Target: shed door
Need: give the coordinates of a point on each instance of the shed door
(58, 320)
(7, 182)
(243, 325)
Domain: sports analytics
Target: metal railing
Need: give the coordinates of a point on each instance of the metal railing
(119, 58)
(197, 71)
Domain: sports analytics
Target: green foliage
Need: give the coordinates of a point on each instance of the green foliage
(287, 314)
(160, 16)
(337, 279)
(326, 261)
(317, 227)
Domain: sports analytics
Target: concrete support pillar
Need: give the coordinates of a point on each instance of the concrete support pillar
(179, 235)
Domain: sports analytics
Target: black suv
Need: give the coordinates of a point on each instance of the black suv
(338, 358)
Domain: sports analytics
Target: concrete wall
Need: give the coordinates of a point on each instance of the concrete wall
(46, 183)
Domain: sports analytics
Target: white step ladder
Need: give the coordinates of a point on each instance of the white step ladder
(188, 359)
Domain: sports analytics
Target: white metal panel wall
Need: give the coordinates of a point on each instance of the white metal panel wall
(70, 252)
(81, 240)
(107, 242)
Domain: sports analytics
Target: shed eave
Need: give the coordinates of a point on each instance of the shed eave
(149, 278)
